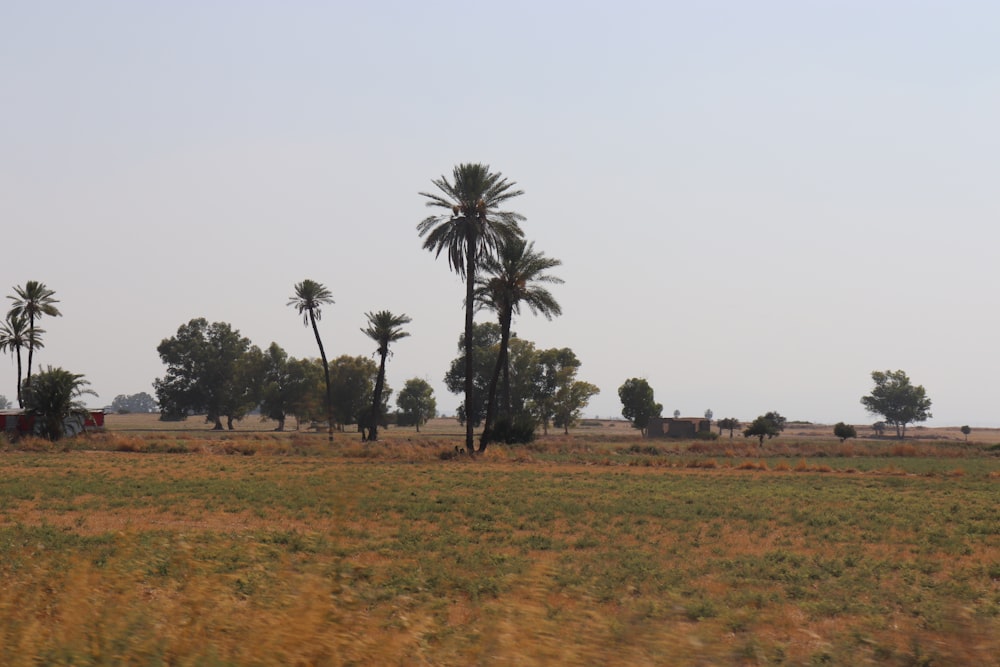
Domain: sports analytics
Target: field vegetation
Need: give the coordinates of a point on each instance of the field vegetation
(167, 544)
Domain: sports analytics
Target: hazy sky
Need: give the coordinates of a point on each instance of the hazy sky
(756, 203)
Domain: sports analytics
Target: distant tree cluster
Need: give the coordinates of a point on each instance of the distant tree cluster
(134, 403)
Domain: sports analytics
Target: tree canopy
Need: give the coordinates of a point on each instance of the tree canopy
(416, 403)
(638, 404)
(206, 373)
(141, 402)
(896, 399)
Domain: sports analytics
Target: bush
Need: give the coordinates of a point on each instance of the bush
(706, 435)
(844, 431)
(516, 431)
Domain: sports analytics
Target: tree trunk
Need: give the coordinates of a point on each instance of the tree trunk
(326, 375)
(20, 397)
(218, 423)
(491, 398)
(377, 402)
(470, 285)
(229, 422)
(31, 343)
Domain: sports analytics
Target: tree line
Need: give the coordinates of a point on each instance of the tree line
(894, 398)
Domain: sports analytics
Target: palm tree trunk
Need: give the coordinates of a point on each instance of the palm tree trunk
(20, 396)
(377, 401)
(326, 375)
(31, 342)
(502, 366)
(470, 285)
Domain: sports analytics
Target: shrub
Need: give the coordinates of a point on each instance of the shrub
(516, 431)
(844, 431)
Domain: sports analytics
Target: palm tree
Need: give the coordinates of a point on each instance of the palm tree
(34, 300)
(516, 276)
(471, 229)
(14, 337)
(383, 328)
(309, 298)
(53, 397)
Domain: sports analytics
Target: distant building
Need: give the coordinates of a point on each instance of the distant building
(677, 427)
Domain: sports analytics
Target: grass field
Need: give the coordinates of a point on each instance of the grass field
(178, 546)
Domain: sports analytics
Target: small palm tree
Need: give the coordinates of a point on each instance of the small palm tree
(516, 276)
(52, 396)
(383, 328)
(310, 297)
(470, 230)
(34, 301)
(14, 337)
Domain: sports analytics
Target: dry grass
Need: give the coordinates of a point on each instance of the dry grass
(188, 547)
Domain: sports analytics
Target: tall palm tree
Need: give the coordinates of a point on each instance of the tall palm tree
(516, 276)
(470, 230)
(34, 301)
(310, 297)
(14, 337)
(383, 328)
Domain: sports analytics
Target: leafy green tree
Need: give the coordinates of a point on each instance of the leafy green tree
(638, 404)
(844, 431)
(486, 338)
(384, 328)
(416, 402)
(309, 298)
(471, 229)
(134, 403)
(33, 301)
(966, 431)
(557, 367)
(896, 399)
(571, 399)
(4, 402)
(53, 397)
(515, 276)
(769, 425)
(730, 423)
(16, 336)
(203, 372)
(291, 386)
(879, 429)
(352, 381)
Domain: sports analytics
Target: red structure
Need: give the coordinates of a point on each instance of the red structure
(17, 421)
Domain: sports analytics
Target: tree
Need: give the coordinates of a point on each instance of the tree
(879, 429)
(384, 328)
(33, 301)
(637, 403)
(141, 402)
(4, 402)
(966, 431)
(290, 386)
(352, 381)
(570, 400)
(557, 368)
(515, 276)
(416, 402)
(310, 296)
(896, 399)
(485, 339)
(14, 337)
(770, 425)
(471, 229)
(677, 414)
(53, 397)
(731, 423)
(204, 374)
(844, 431)
(709, 414)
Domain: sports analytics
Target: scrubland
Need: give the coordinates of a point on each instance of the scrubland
(177, 546)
